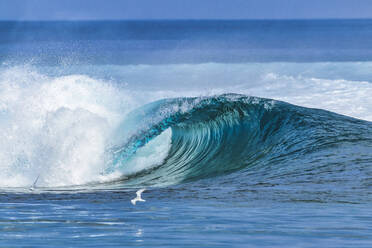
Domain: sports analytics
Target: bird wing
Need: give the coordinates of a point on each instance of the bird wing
(139, 192)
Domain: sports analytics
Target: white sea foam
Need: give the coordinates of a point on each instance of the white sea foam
(351, 98)
(55, 127)
(61, 126)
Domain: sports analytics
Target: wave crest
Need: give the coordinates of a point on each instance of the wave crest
(218, 135)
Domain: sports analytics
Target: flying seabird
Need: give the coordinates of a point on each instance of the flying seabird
(138, 198)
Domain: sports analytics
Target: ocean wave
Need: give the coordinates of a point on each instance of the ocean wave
(74, 129)
(218, 135)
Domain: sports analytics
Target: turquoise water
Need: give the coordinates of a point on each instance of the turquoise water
(242, 133)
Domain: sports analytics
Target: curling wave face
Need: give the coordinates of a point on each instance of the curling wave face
(218, 135)
(76, 130)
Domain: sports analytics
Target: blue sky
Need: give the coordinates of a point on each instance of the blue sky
(182, 9)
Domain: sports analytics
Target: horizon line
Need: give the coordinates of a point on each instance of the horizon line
(186, 19)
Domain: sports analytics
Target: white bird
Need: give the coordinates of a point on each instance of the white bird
(138, 198)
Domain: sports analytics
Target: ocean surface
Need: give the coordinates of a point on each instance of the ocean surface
(242, 133)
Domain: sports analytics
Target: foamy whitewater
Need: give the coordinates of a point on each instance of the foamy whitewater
(61, 127)
(243, 133)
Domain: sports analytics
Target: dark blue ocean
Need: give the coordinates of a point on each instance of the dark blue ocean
(240, 133)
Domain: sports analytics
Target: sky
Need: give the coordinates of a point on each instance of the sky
(183, 9)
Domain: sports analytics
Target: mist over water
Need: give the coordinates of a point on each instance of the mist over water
(52, 125)
(213, 117)
(169, 42)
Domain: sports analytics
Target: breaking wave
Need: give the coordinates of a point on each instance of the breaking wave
(76, 130)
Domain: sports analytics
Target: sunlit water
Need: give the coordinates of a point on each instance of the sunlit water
(244, 134)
